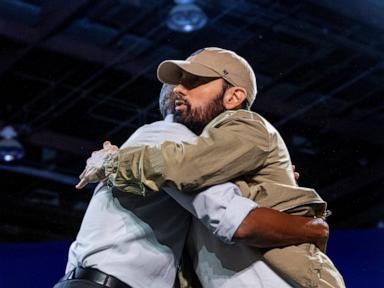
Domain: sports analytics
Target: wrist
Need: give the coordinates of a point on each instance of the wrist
(110, 164)
(317, 230)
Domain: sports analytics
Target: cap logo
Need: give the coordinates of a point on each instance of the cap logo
(225, 72)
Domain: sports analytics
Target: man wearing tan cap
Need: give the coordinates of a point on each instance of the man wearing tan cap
(127, 240)
(237, 145)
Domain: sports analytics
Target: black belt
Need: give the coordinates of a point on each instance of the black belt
(95, 276)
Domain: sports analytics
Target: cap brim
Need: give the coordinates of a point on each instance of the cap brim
(170, 71)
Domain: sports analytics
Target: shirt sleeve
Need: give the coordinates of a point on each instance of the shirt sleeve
(221, 208)
(72, 261)
(235, 146)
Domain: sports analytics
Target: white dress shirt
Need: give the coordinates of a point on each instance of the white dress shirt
(141, 244)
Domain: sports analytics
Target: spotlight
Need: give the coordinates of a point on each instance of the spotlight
(186, 17)
(10, 147)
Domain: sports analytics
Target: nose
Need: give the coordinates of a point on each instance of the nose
(180, 90)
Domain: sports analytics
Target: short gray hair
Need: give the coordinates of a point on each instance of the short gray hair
(166, 103)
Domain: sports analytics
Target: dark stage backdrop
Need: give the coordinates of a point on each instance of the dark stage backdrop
(358, 254)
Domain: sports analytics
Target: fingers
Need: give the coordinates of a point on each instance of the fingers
(93, 171)
(114, 148)
(110, 148)
(324, 248)
(295, 174)
(83, 173)
(83, 182)
(107, 144)
(87, 176)
(322, 245)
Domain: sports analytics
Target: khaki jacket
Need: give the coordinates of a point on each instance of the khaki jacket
(236, 144)
(239, 146)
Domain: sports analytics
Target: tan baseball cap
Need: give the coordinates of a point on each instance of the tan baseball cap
(212, 62)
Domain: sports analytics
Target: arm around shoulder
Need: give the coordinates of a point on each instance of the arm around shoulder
(234, 146)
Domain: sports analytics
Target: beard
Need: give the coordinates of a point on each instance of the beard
(196, 119)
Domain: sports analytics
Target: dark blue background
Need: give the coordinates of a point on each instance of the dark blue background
(358, 254)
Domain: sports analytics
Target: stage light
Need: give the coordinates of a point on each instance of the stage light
(10, 147)
(186, 17)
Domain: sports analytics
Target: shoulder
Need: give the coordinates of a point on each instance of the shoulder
(244, 124)
(170, 131)
(241, 117)
(159, 125)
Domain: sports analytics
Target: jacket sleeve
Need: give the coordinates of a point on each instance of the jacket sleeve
(235, 145)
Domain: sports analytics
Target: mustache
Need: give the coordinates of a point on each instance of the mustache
(180, 100)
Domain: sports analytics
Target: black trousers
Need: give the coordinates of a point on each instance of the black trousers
(77, 283)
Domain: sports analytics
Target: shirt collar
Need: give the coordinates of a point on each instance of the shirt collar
(168, 118)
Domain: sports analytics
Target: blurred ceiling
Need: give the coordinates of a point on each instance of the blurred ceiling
(76, 72)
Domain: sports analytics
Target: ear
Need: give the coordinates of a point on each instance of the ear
(234, 97)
